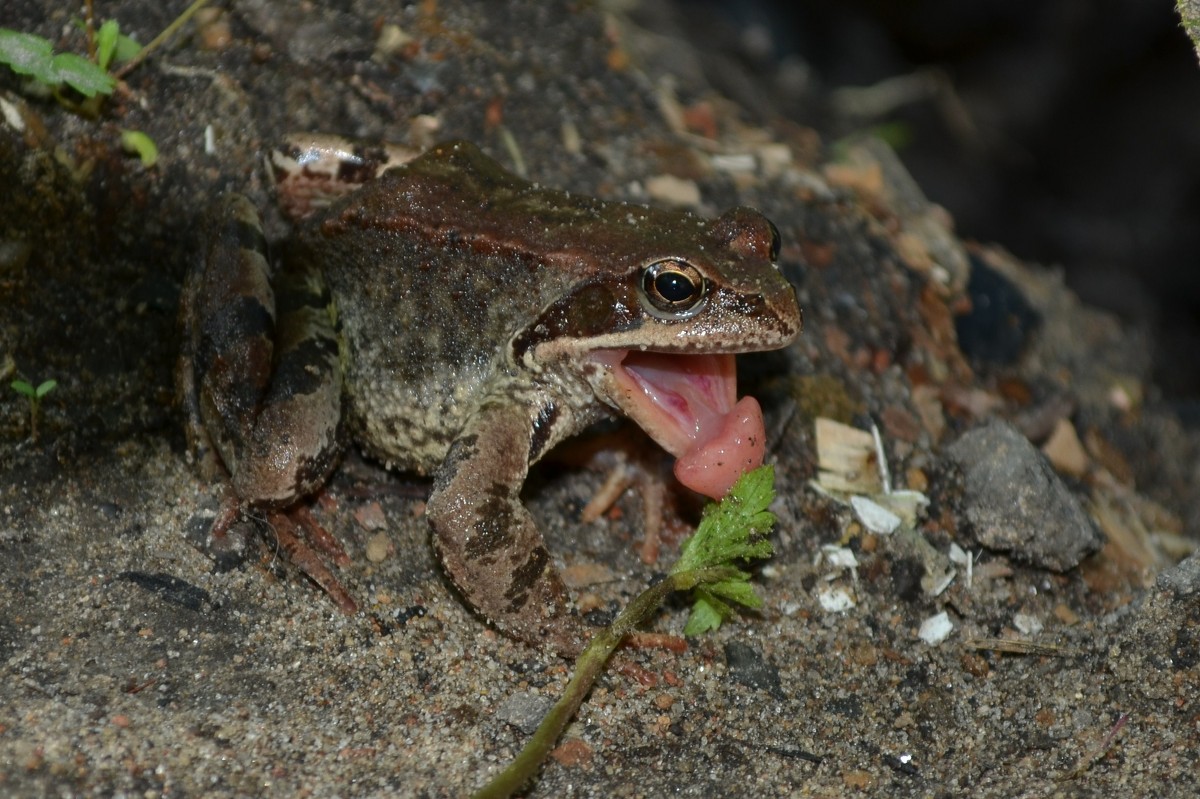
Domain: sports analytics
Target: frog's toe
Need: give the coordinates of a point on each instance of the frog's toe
(225, 538)
(630, 460)
(228, 539)
(294, 530)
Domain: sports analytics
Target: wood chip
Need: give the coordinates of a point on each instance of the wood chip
(846, 459)
(1065, 451)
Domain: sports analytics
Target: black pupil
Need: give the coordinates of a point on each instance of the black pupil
(775, 241)
(674, 286)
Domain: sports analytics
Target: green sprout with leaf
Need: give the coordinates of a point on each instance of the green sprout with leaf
(35, 395)
(94, 77)
(28, 54)
(731, 532)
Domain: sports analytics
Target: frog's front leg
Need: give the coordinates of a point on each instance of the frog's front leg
(486, 538)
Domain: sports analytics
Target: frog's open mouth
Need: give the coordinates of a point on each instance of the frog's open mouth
(688, 404)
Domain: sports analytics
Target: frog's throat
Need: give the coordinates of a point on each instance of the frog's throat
(688, 404)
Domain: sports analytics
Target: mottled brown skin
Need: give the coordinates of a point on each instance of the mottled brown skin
(468, 301)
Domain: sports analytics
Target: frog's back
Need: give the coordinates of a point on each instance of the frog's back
(430, 288)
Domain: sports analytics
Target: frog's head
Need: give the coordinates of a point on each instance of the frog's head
(655, 330)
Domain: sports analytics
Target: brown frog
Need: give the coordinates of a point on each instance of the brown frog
(458, 321)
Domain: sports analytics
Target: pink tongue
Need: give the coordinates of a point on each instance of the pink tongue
(686, 404)
(714, 466)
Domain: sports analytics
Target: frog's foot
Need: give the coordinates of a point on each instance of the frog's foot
(222, 538)
(299, 536)
(296, 534)
(628, 459)
(311, 170)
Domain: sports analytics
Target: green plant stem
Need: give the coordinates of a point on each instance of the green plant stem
(35, 407)
(158, 40)
(89, 21)
(587, 669)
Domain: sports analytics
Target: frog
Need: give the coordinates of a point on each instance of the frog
(457, 322)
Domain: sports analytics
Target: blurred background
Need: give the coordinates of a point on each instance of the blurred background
(1067, 131)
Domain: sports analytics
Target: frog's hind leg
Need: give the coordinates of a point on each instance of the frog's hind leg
(487, 540)
(266, 367)
(261, 380)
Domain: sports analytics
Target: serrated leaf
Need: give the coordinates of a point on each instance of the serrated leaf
(27, 54)
(730, 532)
(738, 591)
(756, 488)
(727, 530)
(82, 75)
(708, 613)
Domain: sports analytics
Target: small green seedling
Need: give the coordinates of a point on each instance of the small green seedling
(94, 78)
(731, 532)
(141, 145)
(34, 394)
(28, 54)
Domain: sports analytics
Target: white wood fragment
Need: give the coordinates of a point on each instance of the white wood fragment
(961, 557)
(905, 503)
(875, 517)
(846, 458)
(673, 191)
(958, 555)
(737, 163)
(885, 476)
(839, 557)
(942, 583)
(790, 608)
(774, 157)
(12, 115)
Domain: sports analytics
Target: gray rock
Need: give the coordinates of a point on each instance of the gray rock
(1183, 578)
(525, 711)
(748, 667)
(1015, 503)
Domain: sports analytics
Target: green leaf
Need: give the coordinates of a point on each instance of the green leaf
(106, 43)
(738, 591)
(127, 48)
(141, 145)
(82, 75)
(708, 613)
(27, 54)
(46, 387)
(731, 530)
(24, 387)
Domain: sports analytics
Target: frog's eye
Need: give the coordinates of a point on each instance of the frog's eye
(776, 241)
(673, 289)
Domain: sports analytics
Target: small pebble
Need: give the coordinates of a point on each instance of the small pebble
(379, 547)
